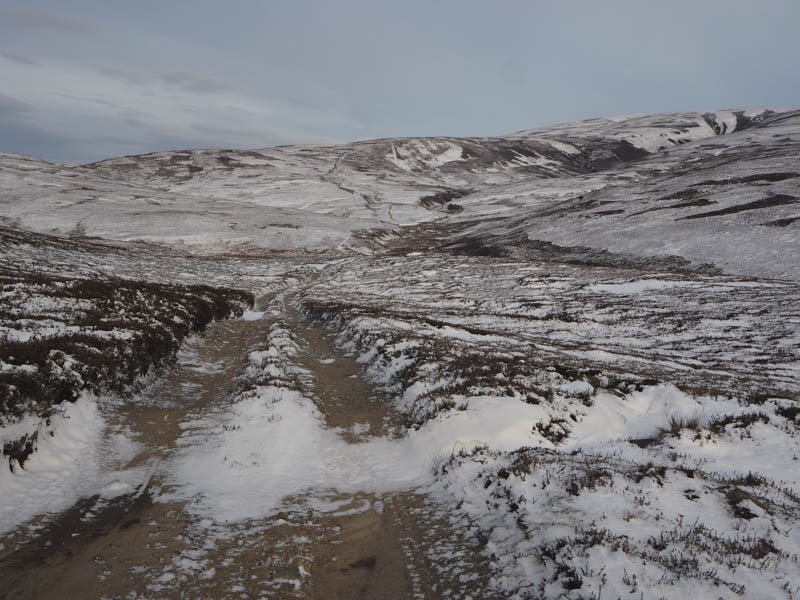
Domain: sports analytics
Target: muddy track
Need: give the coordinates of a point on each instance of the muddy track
(372, 546)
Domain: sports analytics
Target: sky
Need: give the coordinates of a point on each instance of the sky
(85, 80)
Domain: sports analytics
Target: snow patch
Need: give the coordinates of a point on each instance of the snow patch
(74, 460)
(229, 473)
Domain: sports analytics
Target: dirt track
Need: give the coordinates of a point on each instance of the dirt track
(371, 547)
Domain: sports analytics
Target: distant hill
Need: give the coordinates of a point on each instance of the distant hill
(680, 189)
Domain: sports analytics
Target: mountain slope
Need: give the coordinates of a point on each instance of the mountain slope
(325, 197)
(561, 363)
(732, 202)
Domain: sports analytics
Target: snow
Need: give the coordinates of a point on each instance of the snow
(196, 217)
(563, 147)
(76, 457)
(227, 473)
(410, 155)
(526, 382)
(638, 415)
(638, 463)
(651, 210)
(576, 388)
(252, 315)
(635, 287)
(682, 503)
(320, 197)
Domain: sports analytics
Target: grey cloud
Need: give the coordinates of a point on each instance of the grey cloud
(196, 82)
(86, 99)
(130, 113)
(239, 109)
(17, 136)
(240, 138)
(25, 136)
(10, 105)
(135, 118)
(158, 140)
(18, 58)
(296, 72)
(18, 15)
(122, 74)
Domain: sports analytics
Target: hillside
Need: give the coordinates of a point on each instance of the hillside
(559, 363)
(314, 198)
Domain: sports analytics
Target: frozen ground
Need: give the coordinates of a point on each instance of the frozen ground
(561, 363)
(323, 197)
(646, 448)
(731, 202)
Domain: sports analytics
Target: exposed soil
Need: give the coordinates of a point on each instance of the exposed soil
(207, 378)
(342, 395)
(371, 547)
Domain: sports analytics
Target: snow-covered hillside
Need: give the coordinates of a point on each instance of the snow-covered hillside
(324, 197)
(560, 363)
(731, 201)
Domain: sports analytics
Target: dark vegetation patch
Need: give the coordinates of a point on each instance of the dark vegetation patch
(742, 121)
(595, 155)
(772, 201)
(232, 161)
(766, 177)
(789, 412)
(645, 442)
(512, 150)
(719, 128)
(110, 333)
(688, 199)
(443, 199)
(554, 430)
(180, 157)
(525, 249)
(588, 479)
(782, 222)
(611, 153)
(684, 194)
(487, 154)
(676, 425)
(645, 470)
(613, 211)
(13, 236)
(718, 424)
(736, 497)
(476, 247)
(692, 203)
(284, 225)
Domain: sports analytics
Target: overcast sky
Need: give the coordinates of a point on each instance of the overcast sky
(82, 80)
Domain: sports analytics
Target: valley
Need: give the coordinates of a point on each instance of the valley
(561, 363)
